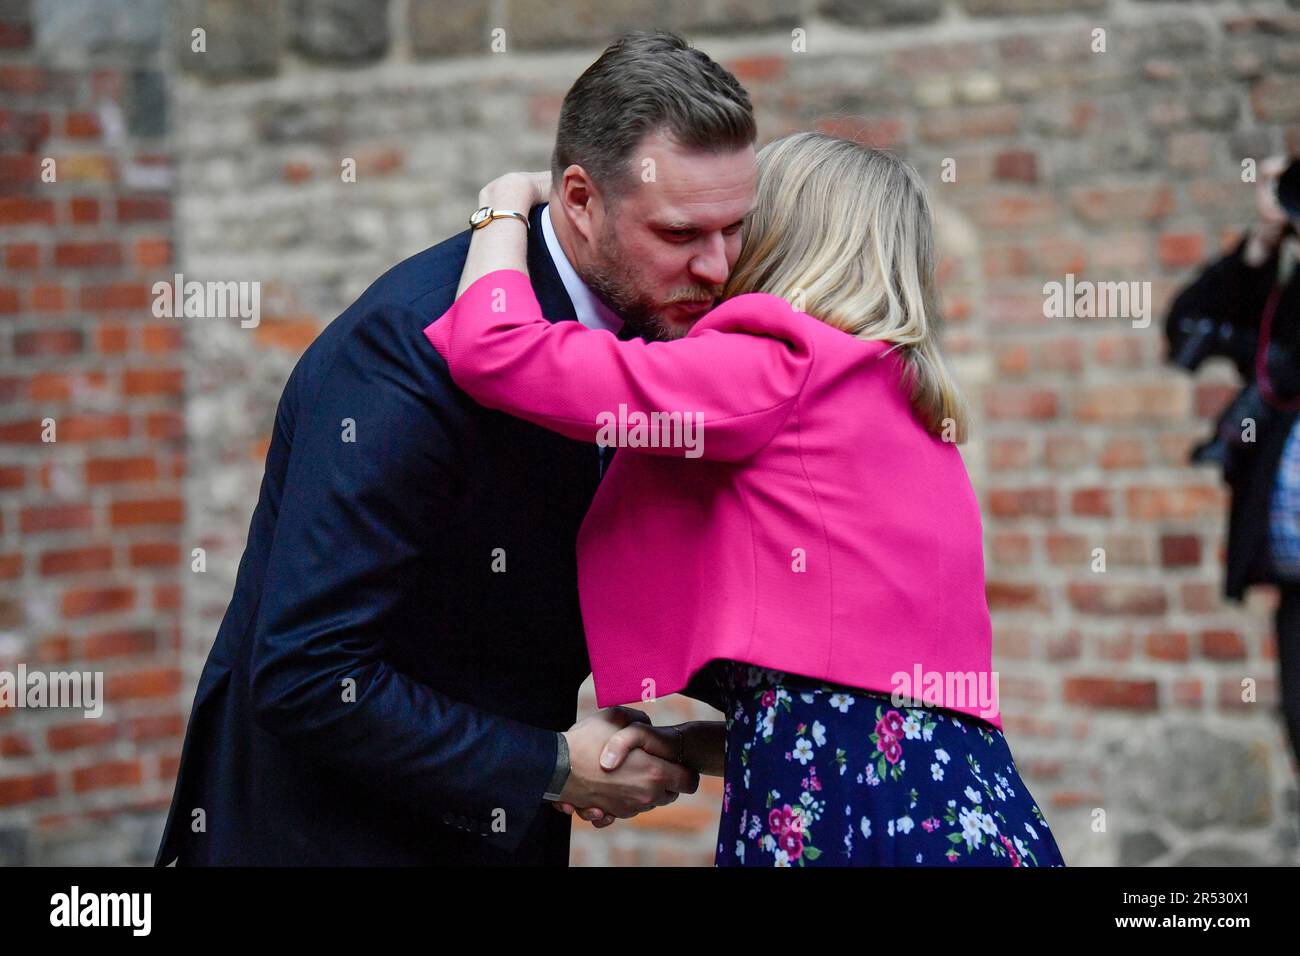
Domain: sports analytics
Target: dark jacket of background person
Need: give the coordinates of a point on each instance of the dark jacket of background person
(373, 561)
(1231, 290)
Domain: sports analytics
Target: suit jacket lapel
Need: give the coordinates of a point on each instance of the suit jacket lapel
(543, 274)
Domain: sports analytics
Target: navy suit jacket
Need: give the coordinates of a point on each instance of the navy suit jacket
(380, 691)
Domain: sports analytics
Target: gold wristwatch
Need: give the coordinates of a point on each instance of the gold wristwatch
(485, 214)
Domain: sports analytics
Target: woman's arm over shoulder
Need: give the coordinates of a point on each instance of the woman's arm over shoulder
(720, 392)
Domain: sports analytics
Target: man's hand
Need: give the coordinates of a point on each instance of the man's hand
(634, 774)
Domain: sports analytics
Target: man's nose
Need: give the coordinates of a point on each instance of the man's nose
(710, 266)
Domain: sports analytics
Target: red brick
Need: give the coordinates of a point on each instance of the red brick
(880, 132)
(112, 338)
(1180, 550)
(143, 208)
(15, 745)
(1167, 645)
(158, 682)
(1179, 250)
(84, 733)
(87, 255)
(157, 727)
(93, 427)
(1022, 502)
(21, 78)
(153, 381)
(155, 554)
(147, 511)
(1222, 645)
(76, 561)
(26, 789)
(47, 342)
(83, 210)
(1091, 502)
(15, 36)
(24, 255)
(56, 518)
(158, 339)
(1105, 693)
(1117, 599)
(21, 211)
(1020, 165)
(152, 253)
(81, 125)
(47, 298)
(163, 425)
(83, 602)
(101, 471)
(124, 296)
(120, 643)
(1014, 596)
(113, 773)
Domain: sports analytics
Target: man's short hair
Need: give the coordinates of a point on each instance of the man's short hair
(646, 82)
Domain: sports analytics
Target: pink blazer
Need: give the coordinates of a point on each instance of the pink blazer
(795, 515)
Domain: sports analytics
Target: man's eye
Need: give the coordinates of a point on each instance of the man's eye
(732, 230)
(677, 235)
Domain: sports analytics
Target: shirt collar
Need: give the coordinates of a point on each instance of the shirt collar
(591, 312)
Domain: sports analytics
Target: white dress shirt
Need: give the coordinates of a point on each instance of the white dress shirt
(591, 312)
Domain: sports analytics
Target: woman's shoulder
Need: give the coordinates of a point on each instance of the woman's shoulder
(758, 313)
(768, 314)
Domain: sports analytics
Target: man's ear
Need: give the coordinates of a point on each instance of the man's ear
(580, 199)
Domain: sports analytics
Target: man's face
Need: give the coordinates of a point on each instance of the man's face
(661, 253)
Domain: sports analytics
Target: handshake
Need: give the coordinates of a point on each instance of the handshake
(621, 765)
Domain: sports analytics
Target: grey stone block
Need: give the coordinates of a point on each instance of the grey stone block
(340, 31)
(881, 12)
(242, 38)
(461, 29)
(70, 30)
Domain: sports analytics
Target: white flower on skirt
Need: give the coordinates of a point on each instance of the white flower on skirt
(970, 827)
(936, 771)
(819, 733)
(865, 827)
(803, 750)
(841, 702)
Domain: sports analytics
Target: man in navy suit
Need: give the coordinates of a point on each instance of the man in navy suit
(395, 679)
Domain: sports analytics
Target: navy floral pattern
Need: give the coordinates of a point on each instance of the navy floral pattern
(819, 774)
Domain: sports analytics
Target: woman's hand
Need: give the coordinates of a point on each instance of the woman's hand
(519, 191)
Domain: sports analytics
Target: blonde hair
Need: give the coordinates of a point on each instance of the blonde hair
(845, 233)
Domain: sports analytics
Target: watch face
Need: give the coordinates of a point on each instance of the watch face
(480, 215)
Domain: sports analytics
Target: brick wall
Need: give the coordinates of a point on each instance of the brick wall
(91, 521)
(1120, 689)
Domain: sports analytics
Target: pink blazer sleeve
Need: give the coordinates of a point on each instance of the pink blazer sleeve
(739, 370)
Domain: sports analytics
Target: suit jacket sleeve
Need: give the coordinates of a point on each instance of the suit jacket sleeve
(739, 387)
(354, 517)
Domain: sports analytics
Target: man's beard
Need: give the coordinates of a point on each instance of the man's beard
(612, 281)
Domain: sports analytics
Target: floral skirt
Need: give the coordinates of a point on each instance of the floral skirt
(823, 775)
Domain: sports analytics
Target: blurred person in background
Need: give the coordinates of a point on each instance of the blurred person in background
(1246, 308)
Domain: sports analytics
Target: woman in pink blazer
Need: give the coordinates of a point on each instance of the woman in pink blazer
(789, 531)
